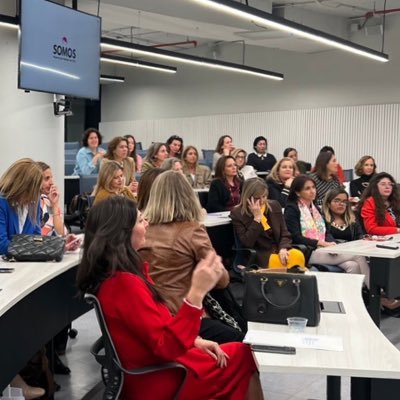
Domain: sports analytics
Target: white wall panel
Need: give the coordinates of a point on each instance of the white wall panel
(352, 131)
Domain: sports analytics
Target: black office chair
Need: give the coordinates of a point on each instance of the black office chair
(111, 369)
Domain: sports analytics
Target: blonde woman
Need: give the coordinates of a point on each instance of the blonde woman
(111, 182)
(172, 164)
(156, 155)
(175, 242)
(280, 179)
(244, 171)
(199, 176)
(19, 201)
(118, 151)
(259, 224)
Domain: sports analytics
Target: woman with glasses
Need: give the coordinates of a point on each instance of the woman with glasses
(280, 180)
(380, 206)
(307, 227)
(174, 146)
(244, 171)
(259, 224)
(340, 217)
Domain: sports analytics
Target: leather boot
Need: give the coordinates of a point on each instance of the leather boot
(29, 392)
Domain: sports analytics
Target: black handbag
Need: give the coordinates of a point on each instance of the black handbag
(273, 297)
(35, 248)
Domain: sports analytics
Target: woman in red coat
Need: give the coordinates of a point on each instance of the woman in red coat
(143, 330)
(380, 206)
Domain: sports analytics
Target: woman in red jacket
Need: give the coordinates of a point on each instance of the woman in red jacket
(143, 330)
(380, 206)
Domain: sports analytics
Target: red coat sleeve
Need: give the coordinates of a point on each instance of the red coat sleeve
(126, 298)
(371, 224)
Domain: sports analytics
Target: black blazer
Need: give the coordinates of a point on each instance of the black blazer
(292, 218)
(277, 191)
(218, 196)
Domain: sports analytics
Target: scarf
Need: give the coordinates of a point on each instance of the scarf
(311, 222)
(264, 221)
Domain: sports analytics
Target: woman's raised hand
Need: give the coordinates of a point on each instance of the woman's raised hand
(255, 208)
(205, 276)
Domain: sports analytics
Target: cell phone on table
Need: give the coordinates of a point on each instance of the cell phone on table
(388, 246)
(273, 349)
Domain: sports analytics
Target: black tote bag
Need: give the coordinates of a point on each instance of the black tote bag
(273, 297)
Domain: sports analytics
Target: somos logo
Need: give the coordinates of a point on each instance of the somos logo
(64, 51)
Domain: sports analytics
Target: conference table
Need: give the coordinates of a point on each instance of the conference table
(37, 300)
(367, 353)
(384, 267)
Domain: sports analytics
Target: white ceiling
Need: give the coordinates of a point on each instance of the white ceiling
(155, 22)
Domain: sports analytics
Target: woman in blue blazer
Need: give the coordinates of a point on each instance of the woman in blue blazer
(19, 201)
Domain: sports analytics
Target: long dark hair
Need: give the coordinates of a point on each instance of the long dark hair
(132, 153)
(321, 164)
(372, 190)
(107, 246)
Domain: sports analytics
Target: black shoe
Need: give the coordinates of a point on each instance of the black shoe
(59, 367)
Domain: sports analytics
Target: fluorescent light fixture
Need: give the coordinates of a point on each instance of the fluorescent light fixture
(114, 44)
(112, 78)
(9, 22)
(136, 63)
(271, 21)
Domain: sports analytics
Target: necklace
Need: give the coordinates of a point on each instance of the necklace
(341, 227)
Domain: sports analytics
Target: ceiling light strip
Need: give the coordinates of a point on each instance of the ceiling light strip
(9, 22)
(138, 64)
(186, 58)
(112, 78)
(271, 21)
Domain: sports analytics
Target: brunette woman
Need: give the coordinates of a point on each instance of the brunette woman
(325, 175)
(143, 329)
(199, 176)
(307, 227)
(365, 169)
(224, 191)
(146, 182)
(280, 179)
(89, 157)
(224, 148)
(156, 154)
(261, 160)
(380, 205)
(174, 146)
(132, 152)
(259, 224)
(118, 151)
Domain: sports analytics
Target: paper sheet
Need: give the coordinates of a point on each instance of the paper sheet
(298, 340)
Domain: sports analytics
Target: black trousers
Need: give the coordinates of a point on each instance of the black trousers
(217, 331)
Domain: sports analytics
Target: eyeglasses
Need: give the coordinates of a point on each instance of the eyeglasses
(338, 201)
(386, 184)
(241, 157)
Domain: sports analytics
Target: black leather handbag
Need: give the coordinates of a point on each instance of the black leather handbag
(35, 248)
(273, 297)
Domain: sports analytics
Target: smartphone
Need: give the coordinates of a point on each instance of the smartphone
(388, 246)
(273, 349)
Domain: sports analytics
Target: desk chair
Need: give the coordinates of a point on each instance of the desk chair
(208, 156)
(111, 369)
(69, 167)
(348, 175)
(72, 146)
(87, 183)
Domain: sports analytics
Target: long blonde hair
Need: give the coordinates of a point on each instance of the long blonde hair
(20, 185)
(253, 187)
(172, 199)
(106, 175)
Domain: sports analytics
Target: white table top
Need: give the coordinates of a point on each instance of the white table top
(367, 352)
(366, 248)
(217, 219)
(199, 190)
(71, 177)
(28, 276)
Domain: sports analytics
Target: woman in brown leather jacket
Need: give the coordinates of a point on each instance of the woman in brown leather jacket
(175, 242)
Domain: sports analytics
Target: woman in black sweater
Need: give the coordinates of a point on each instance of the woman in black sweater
(365, 169)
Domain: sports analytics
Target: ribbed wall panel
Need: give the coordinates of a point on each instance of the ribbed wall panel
(352, 131)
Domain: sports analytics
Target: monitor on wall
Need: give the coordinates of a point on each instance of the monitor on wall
(59, 50)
